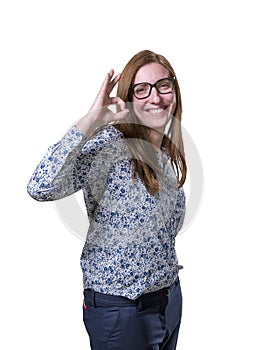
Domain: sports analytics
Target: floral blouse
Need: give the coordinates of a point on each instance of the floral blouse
(130, 244)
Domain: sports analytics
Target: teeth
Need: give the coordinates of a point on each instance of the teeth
(155, 110)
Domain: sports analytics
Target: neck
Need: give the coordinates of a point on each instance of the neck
(156, 138)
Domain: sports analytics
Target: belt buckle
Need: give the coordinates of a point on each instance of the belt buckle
(164, 292)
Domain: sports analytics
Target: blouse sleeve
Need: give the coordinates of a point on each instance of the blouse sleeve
(74, 163)
(54, 177)
(179, 213)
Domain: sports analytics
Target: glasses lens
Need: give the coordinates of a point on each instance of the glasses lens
(142, 90)
(165, 86)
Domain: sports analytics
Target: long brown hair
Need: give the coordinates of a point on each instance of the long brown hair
(144, 163)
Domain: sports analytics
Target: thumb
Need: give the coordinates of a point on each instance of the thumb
(121, 115)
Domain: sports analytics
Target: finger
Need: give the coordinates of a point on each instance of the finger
(114, 81)
(106, 82)
(110, 74)
(108, 85)
(109, 77)
(120, 115)
(118, 101)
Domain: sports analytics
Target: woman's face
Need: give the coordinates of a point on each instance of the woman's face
(154, 111)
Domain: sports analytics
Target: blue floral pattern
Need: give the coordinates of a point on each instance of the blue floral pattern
(130, 244)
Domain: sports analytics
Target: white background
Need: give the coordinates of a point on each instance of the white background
(54, 56)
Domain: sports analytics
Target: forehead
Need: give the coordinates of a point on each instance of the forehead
(151, 73)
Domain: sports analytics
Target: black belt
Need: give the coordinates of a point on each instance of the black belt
(97, 299)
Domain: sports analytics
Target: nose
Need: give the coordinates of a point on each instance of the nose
(154, 97)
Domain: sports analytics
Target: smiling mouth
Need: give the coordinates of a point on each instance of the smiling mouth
(155, 110)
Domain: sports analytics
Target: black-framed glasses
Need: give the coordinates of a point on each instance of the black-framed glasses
(163, 86)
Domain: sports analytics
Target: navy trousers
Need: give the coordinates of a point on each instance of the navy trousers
(150, 322)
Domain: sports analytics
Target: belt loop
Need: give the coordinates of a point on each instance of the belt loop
(93, 299)
(139, 303)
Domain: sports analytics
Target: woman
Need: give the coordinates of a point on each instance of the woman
(131, 170)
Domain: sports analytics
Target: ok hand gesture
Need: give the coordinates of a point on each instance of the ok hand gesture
(99, 113)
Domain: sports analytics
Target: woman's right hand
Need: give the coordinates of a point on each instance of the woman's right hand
(99, 114)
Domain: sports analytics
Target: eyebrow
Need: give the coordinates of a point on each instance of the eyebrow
(147, 82)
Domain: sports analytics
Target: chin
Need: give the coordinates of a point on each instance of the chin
(158, 124)
(157, 127)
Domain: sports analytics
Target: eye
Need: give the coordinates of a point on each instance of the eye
(165, 86)
(141, 89)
